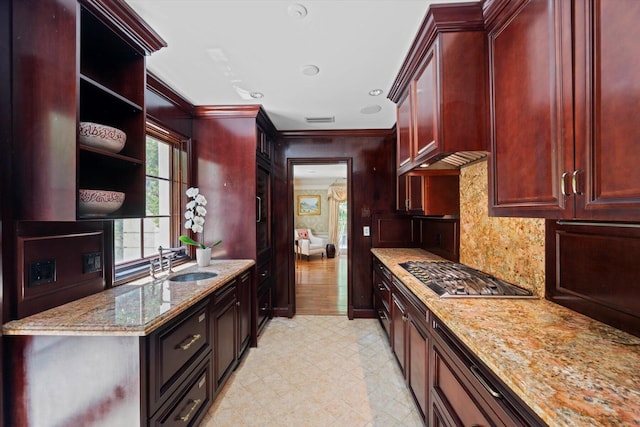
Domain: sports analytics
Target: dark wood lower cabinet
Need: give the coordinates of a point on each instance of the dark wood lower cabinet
(167, 378)
(464, 392)
(450, 386)
(418, 366)
(225, 333)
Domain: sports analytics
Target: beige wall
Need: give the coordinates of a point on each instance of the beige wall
(509, 248)
(317, 223)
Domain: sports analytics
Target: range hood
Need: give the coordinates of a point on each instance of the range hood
(452, 160)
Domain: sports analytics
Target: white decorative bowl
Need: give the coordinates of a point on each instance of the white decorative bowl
(99, 202)
(101, 136)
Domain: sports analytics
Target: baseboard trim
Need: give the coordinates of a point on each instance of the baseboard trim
(364, 313)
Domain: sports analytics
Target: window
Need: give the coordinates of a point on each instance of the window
(136, 240)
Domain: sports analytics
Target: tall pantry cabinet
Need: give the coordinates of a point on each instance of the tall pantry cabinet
(233, 146)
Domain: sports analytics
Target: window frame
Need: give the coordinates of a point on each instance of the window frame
(135, 269)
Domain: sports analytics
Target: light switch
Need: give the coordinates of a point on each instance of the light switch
(366, 231)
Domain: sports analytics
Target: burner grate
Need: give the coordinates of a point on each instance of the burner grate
(451, 279)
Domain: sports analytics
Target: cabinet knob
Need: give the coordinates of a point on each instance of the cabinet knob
(238, 303)
(404, 318)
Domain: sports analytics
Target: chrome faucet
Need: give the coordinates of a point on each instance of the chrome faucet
(161, 250)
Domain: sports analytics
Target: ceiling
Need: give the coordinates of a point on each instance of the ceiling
(221, 51)
(319, 175)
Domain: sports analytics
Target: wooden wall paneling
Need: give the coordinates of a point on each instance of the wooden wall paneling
(592, 268)
(394, 231)
(65, 243)
(5, 174)
(372, 154)
(224, 148)
(441, 237)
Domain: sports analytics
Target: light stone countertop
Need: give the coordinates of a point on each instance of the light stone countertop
(134, 309)
(569, 369)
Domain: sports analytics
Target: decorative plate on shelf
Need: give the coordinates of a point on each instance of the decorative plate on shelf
(99, 203)
(101, 136)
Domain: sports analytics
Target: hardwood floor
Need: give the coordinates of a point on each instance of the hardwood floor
(321, 285)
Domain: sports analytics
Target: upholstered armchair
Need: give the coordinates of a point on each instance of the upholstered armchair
(308, 244)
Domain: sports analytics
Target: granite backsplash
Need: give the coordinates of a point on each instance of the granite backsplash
(510, 248)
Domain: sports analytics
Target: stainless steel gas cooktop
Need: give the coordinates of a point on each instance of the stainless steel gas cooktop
(453, 280)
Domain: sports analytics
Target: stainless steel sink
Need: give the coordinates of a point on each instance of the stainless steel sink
(191, 277)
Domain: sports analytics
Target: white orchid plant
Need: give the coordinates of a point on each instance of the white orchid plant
(194, 215)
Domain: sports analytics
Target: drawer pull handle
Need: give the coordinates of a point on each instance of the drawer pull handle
(476, 373)
(264, 274)
(185, 418)
(383, 315)
(404, 318)
(381, 288)
(184, 345)
(563, 186)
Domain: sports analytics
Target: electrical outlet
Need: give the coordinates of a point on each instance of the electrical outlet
(41, 272)
(91, 262)
(366, 231)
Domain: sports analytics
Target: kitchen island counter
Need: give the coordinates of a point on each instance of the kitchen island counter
(569, 369)
(135, 309)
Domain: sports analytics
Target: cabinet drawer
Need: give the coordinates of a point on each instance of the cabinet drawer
(450, 390)
(191, 403)
(381, 269)
(383, 291)
(264, 272)
(180, 344)
(264, 305)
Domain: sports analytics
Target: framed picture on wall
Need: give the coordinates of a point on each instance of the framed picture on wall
(309, 205)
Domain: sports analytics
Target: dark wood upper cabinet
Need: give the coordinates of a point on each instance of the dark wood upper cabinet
(405, 130)
(77, 61)
(441, 88)
(426, 104)
(565, 80)
(607, 102)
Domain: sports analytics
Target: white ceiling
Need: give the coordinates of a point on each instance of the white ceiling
(219, 51)
(318, 175)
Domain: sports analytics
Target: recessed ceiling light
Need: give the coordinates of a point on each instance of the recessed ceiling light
(297, 11)
(256, 95)
(371, 109)
(375, 92)
(310, 70)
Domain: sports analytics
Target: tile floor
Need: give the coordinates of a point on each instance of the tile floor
(317, 371)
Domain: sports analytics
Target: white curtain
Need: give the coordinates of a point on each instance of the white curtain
(337, 193)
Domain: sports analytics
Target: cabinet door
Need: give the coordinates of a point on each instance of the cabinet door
(415, 190)
(225, 335)
(398, 340)
(244, 312)
(44, 109)
(417, 375)
(426, 105)
(404, 129)
(607, 92)
(531, 100)
(402, 202)
(263, 210)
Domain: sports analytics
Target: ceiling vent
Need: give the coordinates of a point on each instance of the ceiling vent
(330, 119)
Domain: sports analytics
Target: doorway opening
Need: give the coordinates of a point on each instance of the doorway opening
(321, 236)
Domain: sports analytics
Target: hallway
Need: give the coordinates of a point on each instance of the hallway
(317, 371)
